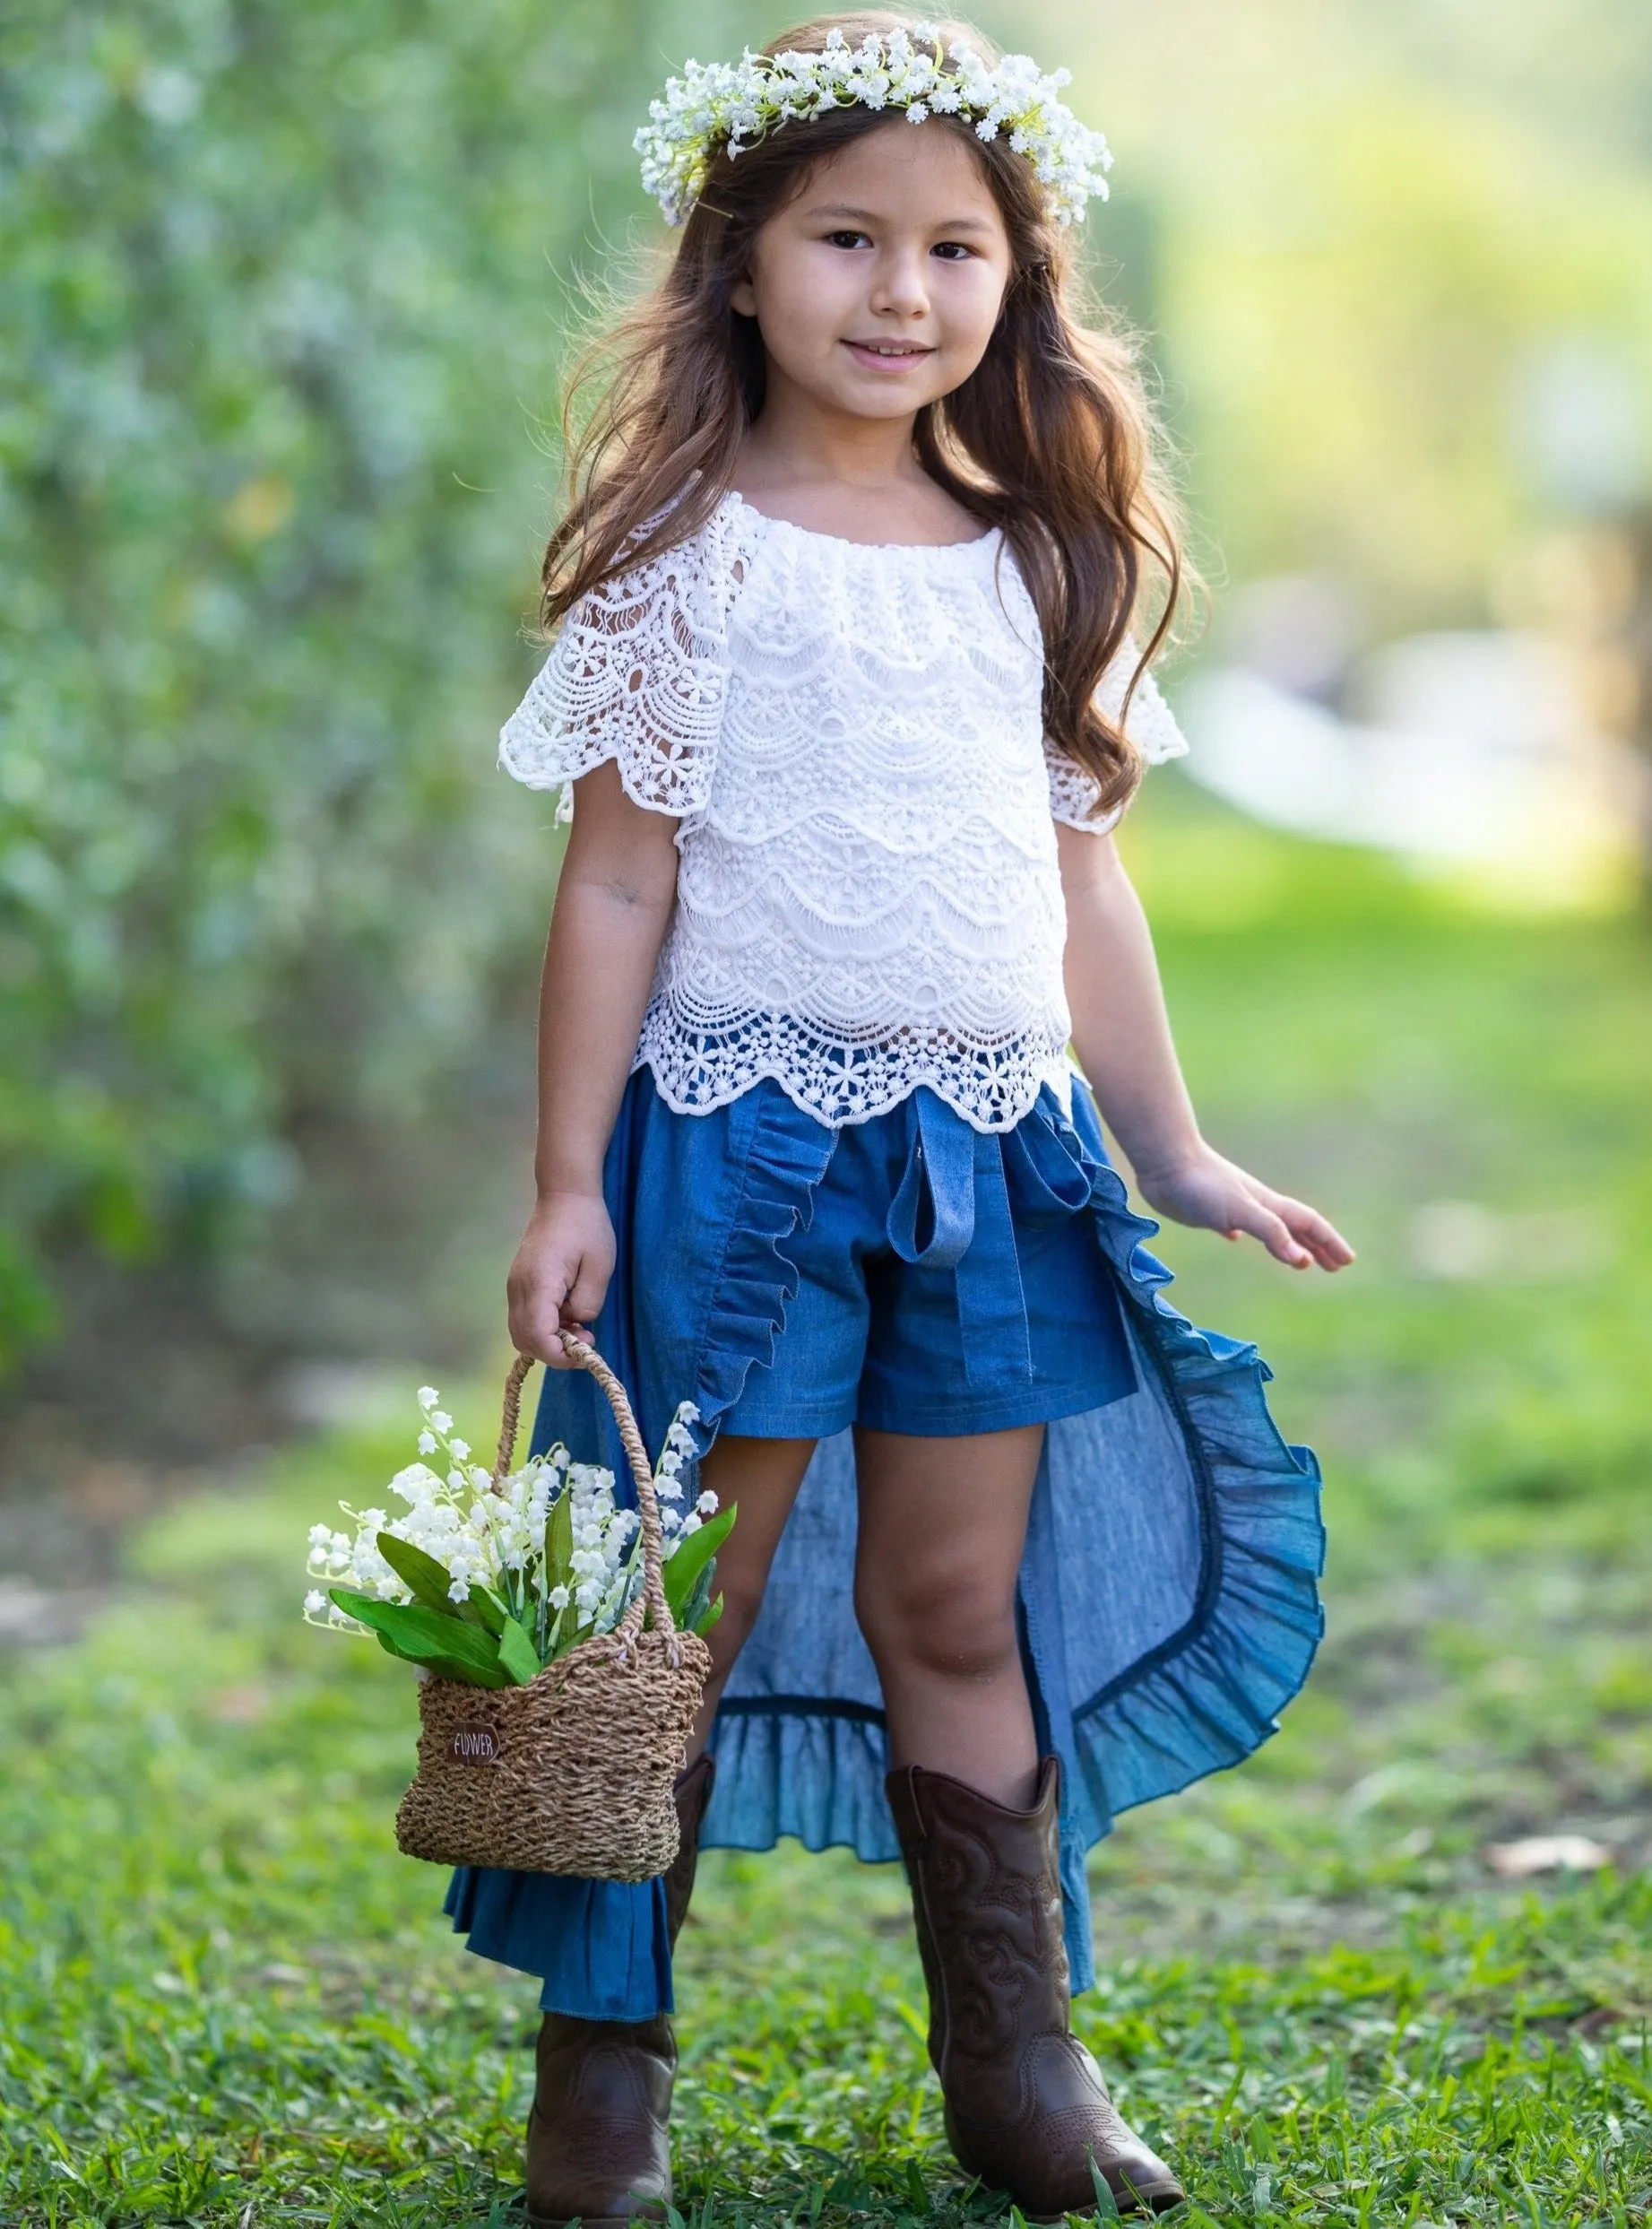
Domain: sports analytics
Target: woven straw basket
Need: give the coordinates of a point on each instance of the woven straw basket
(573, 1773)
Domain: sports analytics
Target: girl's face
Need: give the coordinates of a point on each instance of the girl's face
(877, 288)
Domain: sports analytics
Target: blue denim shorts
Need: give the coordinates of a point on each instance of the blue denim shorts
(937, 1280)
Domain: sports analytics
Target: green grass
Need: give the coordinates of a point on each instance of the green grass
(225, 2001)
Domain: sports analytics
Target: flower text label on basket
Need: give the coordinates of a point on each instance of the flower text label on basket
(474, 1744)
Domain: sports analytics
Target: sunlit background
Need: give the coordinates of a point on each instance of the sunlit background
(285, 287)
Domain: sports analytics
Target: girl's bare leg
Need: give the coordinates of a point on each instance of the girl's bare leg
(942, 1525)
(763, 1476)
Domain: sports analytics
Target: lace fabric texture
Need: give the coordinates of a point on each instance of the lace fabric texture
(851, 739)
(1152, 728)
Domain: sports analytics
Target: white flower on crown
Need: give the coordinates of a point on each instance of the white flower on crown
(717, 104)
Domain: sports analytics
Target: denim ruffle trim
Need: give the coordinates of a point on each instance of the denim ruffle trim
(786, 1155)
(1211, 1693)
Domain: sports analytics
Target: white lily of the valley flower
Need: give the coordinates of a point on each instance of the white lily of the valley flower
(497, 1538)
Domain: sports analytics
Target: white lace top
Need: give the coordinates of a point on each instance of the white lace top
(851, 737)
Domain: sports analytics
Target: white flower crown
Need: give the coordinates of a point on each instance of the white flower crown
(729, 104)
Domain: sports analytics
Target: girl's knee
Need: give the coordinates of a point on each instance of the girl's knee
(958, 1625)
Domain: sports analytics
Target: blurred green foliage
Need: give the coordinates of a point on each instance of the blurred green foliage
(279, 291)
(1378, 231)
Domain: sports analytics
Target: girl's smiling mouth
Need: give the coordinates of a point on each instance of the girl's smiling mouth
(888, 355)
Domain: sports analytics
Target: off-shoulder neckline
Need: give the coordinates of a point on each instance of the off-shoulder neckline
(877, 549)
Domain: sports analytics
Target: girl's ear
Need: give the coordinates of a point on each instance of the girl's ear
(743, 296)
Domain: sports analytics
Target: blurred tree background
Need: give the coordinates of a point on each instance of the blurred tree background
(284, 291)
(1381, 235)
(280, 293)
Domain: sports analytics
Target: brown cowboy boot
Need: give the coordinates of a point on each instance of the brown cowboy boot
(599, 2148)
(1026, 2108)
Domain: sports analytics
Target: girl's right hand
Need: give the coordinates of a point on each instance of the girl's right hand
(559, 1278)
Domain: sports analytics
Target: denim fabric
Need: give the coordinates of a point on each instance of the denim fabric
(1168, 1599)
(602, 1946)
(934, 1298)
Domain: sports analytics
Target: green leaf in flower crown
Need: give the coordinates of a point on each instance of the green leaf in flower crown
(518, 1657)
(428, 1579)
(428, 1637)
(692, 1558)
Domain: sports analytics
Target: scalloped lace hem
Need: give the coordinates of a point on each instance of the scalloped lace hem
(989, 1099)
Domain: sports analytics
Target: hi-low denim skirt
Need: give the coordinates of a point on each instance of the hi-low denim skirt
(1168, 1601)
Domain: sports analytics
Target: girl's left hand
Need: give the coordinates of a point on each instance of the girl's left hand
(1212, 1193)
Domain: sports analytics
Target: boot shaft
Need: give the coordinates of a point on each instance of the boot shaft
(987, 1899)
(1026, 2108)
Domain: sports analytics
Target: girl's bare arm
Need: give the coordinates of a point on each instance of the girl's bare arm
(614, 901)
(1122, 1036)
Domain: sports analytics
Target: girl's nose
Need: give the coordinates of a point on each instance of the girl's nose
(899, 285)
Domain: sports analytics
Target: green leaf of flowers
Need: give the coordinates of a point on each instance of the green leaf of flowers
(692, 1558)
(560, 1542)
(428, 1579)
(707, 1617)
(565, 1634)
(490, 1612)
(518, 1657)
(429, 1637)
(699, 1599)
(444, 1667)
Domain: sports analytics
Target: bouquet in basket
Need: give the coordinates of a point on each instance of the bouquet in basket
(558, 1634)
(487, 1582)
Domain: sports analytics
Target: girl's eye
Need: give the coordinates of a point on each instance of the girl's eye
(847, 239)
(952, 251)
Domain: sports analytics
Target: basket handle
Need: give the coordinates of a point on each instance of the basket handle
(579, 1351)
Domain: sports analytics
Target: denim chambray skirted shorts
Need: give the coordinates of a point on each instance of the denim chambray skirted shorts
(910, 1273)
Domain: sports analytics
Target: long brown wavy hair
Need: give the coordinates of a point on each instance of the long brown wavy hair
(1051, 437)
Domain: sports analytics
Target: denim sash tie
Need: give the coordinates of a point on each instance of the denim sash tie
(954, 1208)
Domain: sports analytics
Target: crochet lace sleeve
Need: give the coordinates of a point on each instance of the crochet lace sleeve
(1152, 728)
(638, 674)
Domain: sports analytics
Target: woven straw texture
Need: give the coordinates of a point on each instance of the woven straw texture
(573, 1773)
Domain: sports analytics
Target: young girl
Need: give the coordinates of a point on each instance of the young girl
(847, 695)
